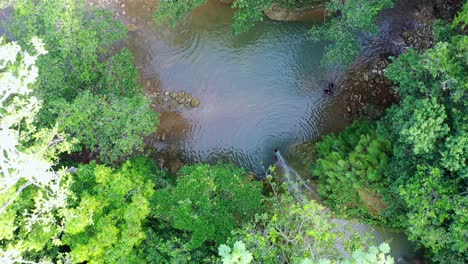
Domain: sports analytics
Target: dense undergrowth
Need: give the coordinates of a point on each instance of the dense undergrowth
(69, 98)
(409, 169)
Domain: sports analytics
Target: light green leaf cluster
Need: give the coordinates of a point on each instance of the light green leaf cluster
(429, 132)
(434, 201)
(374, 255)
(31, 191)
(290, 233)
(105, 223)
(238, 255)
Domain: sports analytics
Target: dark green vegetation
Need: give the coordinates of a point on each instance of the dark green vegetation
(88, 90)
(413, 162)
(67, 95)
(350, 166)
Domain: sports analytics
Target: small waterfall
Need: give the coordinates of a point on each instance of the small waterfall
(296, 184)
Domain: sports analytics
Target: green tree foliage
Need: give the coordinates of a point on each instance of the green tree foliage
(290, 232)
(104, 224)
(209, 202)
(102, 124)
(172, 11)
(352, 22)
(423, 173)
(350, 165)
(437, 215)
(429, 130)
(31, 191)
(75, 40)
(374, 255)
(82, 78)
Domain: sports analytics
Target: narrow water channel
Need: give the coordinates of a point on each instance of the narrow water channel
(258, 91)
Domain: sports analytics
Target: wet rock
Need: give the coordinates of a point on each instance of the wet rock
(194, 102)
(132, 28)
(279, 13)
(163, 136)
(181, 94)
(181, 100)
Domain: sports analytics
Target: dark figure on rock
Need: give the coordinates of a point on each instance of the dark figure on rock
(329, 89)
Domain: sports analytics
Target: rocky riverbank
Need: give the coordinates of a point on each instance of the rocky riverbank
(366, 90)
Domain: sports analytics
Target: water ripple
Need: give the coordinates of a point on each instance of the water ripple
(260, 90)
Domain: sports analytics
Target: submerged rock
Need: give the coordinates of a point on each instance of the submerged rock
(180, 100)
(194, 102)
(277, 12)
(227, 2)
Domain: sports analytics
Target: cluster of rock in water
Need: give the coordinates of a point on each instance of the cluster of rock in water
(169, 100)
(174, 99)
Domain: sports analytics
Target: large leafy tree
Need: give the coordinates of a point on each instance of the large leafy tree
(295, 233)
(429, 130)
(93, 93)
(31, 190)
(105, 222)
(423, 172)
(209, 202)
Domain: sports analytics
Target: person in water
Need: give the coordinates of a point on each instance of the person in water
(329, 89)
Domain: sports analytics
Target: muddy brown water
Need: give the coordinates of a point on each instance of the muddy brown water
(258, 91)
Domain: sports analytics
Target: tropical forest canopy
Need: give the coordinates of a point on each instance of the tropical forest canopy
(78, 184)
